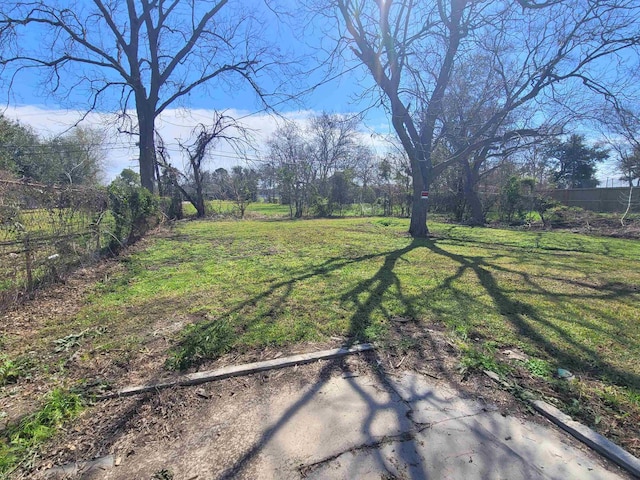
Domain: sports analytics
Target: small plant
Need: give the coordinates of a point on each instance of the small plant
(538, 368)
(10, 370)
(462, 332)
(476, 360)
(22, 439)
(65, 344)
(163, 474)
(199, 341)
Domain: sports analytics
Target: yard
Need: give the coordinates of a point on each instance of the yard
(207, 290)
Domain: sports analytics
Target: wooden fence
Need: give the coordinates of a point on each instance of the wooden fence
(598, 199)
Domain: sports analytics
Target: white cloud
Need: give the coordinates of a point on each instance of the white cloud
(175, 126)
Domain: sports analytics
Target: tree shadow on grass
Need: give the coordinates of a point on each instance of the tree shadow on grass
(530, 324)
(368, 298)
(209, 339)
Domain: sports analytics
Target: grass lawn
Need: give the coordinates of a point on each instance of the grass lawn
(227, 207)
(566, 300)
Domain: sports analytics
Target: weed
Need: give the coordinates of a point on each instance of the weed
(22, 439)
(461, 331)
(10, 370)
(539, 368)
(163, 474)
(203, 340)
(73, 340)
(476, 360)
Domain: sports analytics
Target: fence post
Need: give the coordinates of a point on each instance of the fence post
(28, 264)
(98, 233)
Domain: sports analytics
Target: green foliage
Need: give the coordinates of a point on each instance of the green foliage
(74, 158)
(134, 208)
(203, 340)
(510, 197)
(19, 144)
(542, 204)
(576, 162)
(514, 197)
(22, 439)
(477, 360)
(10, 370)
(538, 367)
(564, 216)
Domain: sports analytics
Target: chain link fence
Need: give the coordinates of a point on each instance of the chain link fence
(45, 230)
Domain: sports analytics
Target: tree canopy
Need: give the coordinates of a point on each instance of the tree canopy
(576, 162)
(148, 54)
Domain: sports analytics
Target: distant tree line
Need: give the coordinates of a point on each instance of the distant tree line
(322, 167)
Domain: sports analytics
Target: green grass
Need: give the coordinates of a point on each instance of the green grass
(569, 299)
(226, 207)
(565, 295)
(19, 441)
(264, 209)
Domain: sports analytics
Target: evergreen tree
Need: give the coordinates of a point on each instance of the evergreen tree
(576, 162)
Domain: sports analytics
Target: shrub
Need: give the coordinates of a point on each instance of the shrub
(134, 208)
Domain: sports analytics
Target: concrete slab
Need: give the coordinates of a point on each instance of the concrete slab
(364, 426)
(465, 440)
(431, 404)
(344, 414)
(460, 448)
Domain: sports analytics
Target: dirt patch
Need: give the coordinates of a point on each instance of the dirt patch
(122, 426)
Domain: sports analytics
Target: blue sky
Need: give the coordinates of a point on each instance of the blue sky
(30, 103)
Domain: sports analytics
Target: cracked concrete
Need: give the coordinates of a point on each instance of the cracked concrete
(461, 438)
(366, 426)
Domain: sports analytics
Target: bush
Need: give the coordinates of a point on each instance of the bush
(134, 208)
(563, 216)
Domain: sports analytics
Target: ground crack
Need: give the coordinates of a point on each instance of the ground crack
(305, 470)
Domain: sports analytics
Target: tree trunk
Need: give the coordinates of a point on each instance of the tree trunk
(418, 226)
(475, 206)
(200, 208)
(471, 181)
(147, 147)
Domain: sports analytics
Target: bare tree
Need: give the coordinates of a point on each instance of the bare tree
(621, 126)
(290, 156)
(243, 186)
(222, 129)
(541, 50)
(149, 54)
(331, 143)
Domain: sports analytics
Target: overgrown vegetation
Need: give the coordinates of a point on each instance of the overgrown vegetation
(47, 230)
(134, 208)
